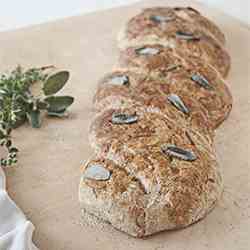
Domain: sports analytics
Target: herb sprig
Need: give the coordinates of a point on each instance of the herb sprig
(18, 104)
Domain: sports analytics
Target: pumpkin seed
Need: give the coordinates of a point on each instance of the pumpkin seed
(119, 80)
(147, 51)
(180, 153)
(202, 81)
(97, 172)
(120, 118)
(178, 103)
(161, 19)
(186, 36)
(172, 67)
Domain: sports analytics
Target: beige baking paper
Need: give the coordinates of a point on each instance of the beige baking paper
(45, 185)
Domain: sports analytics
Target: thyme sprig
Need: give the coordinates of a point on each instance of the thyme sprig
(18, 104)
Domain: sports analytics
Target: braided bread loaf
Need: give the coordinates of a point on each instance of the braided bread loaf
(155, 166)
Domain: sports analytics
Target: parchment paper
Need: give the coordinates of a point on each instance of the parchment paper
(45, 185)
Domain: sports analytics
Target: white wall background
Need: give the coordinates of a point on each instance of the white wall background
(20, 13)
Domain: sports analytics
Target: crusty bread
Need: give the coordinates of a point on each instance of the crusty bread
(165, 192)
(160, 23)
(180, 29)
(178, 74)
(155, 166)
(150, 125)
(152, 94)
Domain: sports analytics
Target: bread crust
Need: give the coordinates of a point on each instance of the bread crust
(173, 19)
(141, 30)
(191, 52)
(145, 91)
(169, 193)
(155, 165)
(119, 200)
(151, 126)
(176, 72)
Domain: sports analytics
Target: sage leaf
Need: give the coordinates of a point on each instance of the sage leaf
(58, 103)
(55, 82)
(34, 118)
(59, 114)
(20, 101)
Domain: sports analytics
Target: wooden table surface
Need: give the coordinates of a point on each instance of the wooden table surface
(45, 184)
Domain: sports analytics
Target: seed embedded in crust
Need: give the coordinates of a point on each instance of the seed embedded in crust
(174, 151)
(202, 81)
(161, 19)
(119, 80)
(172, 67)
(97, 172)
(121, 118)
(147, 51)
(186, 36)
(178, 103)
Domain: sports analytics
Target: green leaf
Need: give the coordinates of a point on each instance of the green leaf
(42, 105)
(20, 121)
(3, 91)
(59, 114)
(3, 162)
(1, 101)
(8, 143)
(2, 135)
(58, 103)
(13, 150)
(34, 118)
(55, 82)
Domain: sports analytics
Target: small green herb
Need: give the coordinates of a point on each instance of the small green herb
(18, 104)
